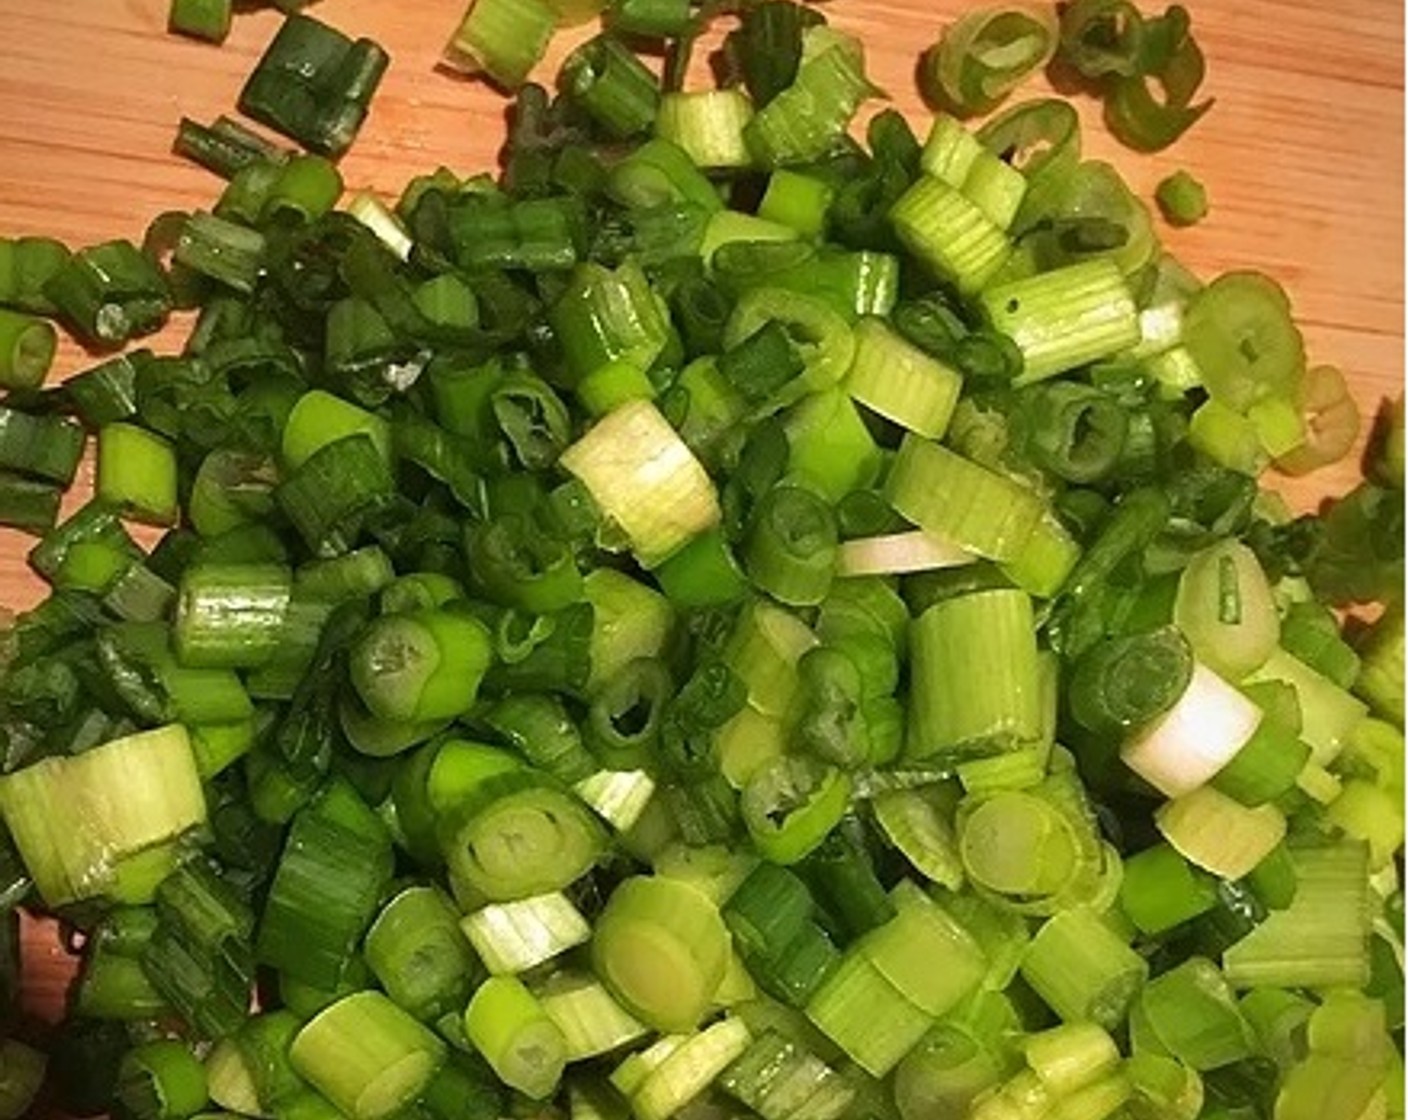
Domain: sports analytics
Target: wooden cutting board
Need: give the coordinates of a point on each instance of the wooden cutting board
(1302, 156)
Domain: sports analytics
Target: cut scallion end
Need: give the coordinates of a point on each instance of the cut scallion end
(1321, 938)
(137, 473)
(1066, 318)
(27, 347)
(662, 949)
(1226, 610)
(796, 200)
(162, 1080)
(422, 666)
(899, 554)
(708, 126)
(806, 118)
(975, 684)
(417, 952)
(374, 214)
(231, 616)
(900, 381)
(612, 85)
(791, 550)
(961, 501)
(223, 250)
(996, 188)
(1069, 1058)
(1202, 732)
(366, 1056)
(904, 948)
(821, 336)
(775, 1073)
(516, 1036)
(790, 804)
(703, 573)
(866, 1016)
(319, 418)
(1329, 713)
(73, 833)
(1182, 198)
(517, 834)
(645, 479)
(323, 896)
(314, 84)
(590, 1019)
(619, 797)
(983, 56)
(609, 315)
(1046, 560)
(46, 447)
(513, 937)
(1268, 765)
(630, 622)
(231, 1084)
(1219, 834)
(1082, 970)
(689, 1070)
(108, 293)
(1018, 844)
(1160, 890)
(950, 234)
(1194, 1016)
(830, 449)
(949, 151)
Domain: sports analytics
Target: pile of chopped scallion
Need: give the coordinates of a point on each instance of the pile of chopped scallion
(719, 620)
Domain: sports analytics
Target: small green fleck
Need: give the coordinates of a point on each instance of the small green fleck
(1183, 200)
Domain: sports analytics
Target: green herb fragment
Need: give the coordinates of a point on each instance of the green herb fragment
(1182, 198)
(201, 19)
(314, 84)
(986, 54)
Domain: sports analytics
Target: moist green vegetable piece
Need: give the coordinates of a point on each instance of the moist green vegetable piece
(314, 84)
(1182, 198)
(640, 636)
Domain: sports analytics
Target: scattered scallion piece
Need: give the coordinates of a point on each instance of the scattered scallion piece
(366, 1056)
(74, 836)
(201, 19)
(161, 1081)
(503, 39)
(417, 952)
(985, 54)
(26, 264)
(27, 347)
(1114, 45)
(108, 294)
(517, 1037)
(612, 84)
(1182, 198)
(801, 121)
(314, 84)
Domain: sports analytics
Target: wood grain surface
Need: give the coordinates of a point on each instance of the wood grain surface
(1302, 156)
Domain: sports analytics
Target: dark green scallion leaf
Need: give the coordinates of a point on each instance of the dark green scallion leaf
(110, 293)
(314, 84)
(766, 48)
